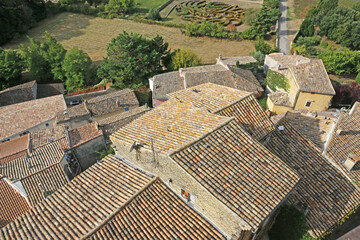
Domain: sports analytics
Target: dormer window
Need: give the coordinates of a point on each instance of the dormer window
(308, 103)
(351, 162)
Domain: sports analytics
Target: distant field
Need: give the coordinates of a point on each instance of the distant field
(149, 4)
(302, 6)
(93, 34)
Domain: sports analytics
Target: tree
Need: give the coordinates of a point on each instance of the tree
(183, 58)
(262, 47)
(119, 7)
(307, 28)
(11, 66)
(35, 61)
(44, 60)
(357, 79)
(132, 59)
(76, 68)
(154, 14)
(54, 54)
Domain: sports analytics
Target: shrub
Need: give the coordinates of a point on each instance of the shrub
(261, 46)
(341, 61)
(259, 56)
(324, 44)
(183, 58)
(307, 28)
(154, 14)
(357, 79)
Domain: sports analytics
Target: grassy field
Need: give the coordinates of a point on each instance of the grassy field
(302, 6)
(93, 34)
(149, 4)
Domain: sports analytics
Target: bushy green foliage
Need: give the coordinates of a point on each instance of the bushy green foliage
(131, 59)
(44, 60)
(259, 56)
(261, 46)
(76, 68)
(276, 81)
(154, 14)
(265, 18)
(341, 25)
(356, 7)
(104, 153)
(357, 79)
(305, 45)
(116, 8)
(11, 66)
(340, 61)
(324, 44)
(183, 58)
(307, 28)
(17, 16)
(290, 224)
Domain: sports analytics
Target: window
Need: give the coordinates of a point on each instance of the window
(188, 196)
(126, 109)
(308, 103)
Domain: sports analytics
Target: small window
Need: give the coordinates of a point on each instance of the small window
(188, 196)
(126, 109)
(47, 124)
(308, 103)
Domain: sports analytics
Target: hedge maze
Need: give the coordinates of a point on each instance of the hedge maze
(201, 11)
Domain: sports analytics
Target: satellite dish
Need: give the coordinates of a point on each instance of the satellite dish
(133, 146)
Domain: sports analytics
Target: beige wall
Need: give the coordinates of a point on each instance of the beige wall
(320, 102)
(204, 201)
(275, 108)
(294, 89)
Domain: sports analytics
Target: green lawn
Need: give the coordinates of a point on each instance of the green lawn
(149, 4)
(348, 3)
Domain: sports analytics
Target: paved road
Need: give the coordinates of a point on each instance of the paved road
(282, 31)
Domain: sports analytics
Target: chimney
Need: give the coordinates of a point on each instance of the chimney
(220, 57)
(351, 161)
(339, 132)
(297, 62)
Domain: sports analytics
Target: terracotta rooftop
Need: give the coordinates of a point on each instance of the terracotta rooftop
(19, 117)
(314, 126)
(347, 142)
(238, 171)
(241, 79)
(13, 204)
(169, 126)
(83, 134)
(110, 124)
(157, 213)
(112, 197)
(14, 148)
(242, 60)
(229, 102)
(48, 135)
(280, 98)
(40, 158)
(324, 192)
(100, 105)
(210, 97)
(42, 184)
(312, 77)
(17, 94)
(286, 61)
(50, 89)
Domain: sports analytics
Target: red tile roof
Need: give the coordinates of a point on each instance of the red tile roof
(42, 184)
(22, 116)
(157, 213)
(84, 134)
(12, 205)
(326, 194)
(14, 148)
(238, 171)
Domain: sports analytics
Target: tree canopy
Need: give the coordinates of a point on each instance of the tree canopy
(183, 58)
(131, 59)
(11, 67)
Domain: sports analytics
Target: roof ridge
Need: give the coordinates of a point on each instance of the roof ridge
(233, 103)
(113, 215)
(231, 119)
(52, 165)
